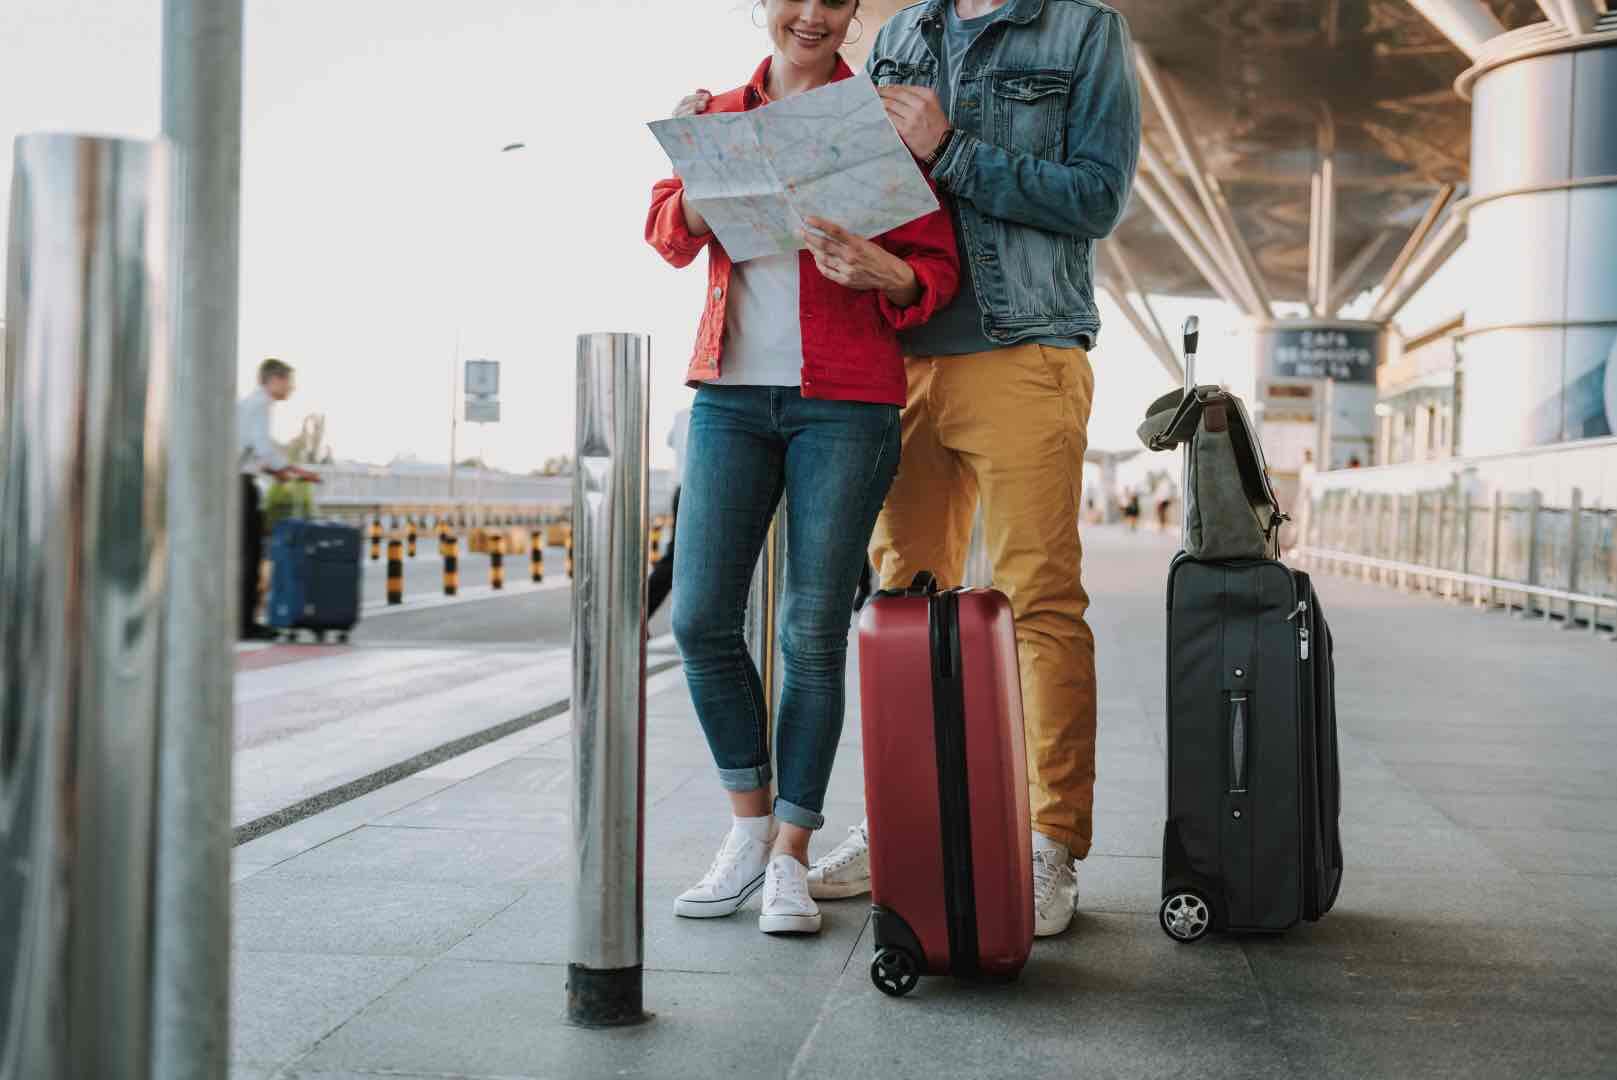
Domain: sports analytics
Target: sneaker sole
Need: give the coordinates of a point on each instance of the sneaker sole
(717, 909)
(838, 891)
(789, 924)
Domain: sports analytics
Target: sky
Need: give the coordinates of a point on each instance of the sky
(385, 234)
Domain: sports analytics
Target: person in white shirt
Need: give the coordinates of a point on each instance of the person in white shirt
(259, 455)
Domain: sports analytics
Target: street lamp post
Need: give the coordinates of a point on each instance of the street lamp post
(454, 377)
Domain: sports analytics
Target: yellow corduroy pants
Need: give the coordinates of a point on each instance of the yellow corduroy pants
(1009, 427)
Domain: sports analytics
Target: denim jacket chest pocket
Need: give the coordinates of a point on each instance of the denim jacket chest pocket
(889, 72)
(1029, 111)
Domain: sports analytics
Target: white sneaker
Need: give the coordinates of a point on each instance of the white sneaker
(843, 871)
(1055, 887)
(737, 872)
(787, 907)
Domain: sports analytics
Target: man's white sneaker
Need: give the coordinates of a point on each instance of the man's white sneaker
(787, 907)
(737, 872)
(843, 871)
(1055, 890)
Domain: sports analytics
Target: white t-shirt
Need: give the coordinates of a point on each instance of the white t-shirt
(763, 334)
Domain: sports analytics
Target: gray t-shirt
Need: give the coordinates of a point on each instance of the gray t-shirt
(958, 328)
(763, 336)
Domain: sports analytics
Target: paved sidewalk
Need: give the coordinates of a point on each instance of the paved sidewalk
(421, 931)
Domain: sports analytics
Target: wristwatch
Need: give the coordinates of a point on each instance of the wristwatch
(942, 148)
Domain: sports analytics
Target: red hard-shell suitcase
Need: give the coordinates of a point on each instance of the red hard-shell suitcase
(951, 857)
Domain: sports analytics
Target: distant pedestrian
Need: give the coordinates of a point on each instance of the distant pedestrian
(1131, 511)
(662, 575)
(258, 455)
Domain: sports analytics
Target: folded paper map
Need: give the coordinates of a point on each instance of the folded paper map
(829, 153)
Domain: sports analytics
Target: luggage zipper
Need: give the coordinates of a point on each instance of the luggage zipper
(954, 809)
(1302, 627)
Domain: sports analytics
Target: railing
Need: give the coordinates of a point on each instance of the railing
(1478, 538)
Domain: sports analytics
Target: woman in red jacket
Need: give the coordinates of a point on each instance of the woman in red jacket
(799, 382)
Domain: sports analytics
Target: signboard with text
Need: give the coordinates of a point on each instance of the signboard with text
(482, 391)
(1344, 354)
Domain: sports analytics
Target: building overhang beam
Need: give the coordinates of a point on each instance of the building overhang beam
(1467, 23)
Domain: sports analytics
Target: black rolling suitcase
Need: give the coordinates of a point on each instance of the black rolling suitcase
(1254, 785)
(314, 578)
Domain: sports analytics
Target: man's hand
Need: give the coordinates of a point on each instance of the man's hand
(856, 263)
(918, 116)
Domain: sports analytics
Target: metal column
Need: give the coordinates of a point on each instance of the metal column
(82, 567)
(610, 516)
(202, 65)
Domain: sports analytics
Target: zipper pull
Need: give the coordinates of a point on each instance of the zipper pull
(1301, 609)
(1302, 638)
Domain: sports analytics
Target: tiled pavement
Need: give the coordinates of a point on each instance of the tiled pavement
(421, 931)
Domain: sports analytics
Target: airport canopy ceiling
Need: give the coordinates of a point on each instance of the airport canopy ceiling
(1261, 86)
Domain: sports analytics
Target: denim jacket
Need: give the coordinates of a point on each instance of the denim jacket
(1046, 115)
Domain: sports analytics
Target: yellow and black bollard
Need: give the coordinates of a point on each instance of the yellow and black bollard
(376, 539)
(656, 544)
(496, 564)
(409, 537)
(537, 558)
(451, 551)
(569, 555)
(395, 572)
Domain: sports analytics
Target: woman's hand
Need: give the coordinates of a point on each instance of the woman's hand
(856, 263)
(693, 104)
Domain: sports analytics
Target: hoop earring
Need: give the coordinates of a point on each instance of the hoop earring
(861, 37)
(756, 8)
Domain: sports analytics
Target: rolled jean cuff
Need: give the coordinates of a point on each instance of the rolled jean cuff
(792, 814)
(749, 779)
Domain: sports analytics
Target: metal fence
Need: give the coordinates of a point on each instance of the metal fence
(1510, 549)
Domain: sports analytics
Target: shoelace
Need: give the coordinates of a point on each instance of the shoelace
(845, 852)
(714, 872)
(1046, 867)
(792, 888)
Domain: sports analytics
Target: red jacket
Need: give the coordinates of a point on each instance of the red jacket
(850, 338)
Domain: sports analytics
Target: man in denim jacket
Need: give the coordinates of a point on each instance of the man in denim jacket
(1027, 113)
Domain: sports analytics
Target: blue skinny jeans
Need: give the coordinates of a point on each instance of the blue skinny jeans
(834, 461)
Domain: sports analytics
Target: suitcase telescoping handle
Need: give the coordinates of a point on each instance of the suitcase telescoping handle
(1192, 337)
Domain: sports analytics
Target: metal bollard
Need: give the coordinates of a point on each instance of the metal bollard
(409, 537)
(496, 563)
(83, 570)
(395, 572)
(537, 558)
(610, 489)
(451, 550)
(376, 539)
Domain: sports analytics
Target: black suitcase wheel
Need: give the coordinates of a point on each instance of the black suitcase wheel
(894, 972)
(1185, 916)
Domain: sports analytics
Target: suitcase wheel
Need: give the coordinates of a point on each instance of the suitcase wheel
(1185, 916)
(895, 972)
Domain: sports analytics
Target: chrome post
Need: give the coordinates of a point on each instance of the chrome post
(610, 515)
(83, 561)
(761, 626)
(1573, 557)
(202, 95)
